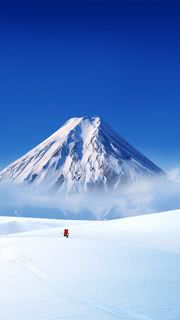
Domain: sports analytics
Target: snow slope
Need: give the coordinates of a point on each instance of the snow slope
(82, 155)
(11, 225)
(126, 269)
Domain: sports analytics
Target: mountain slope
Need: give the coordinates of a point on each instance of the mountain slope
(82, 155)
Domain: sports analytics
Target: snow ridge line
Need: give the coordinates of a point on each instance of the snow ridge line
(117, 312)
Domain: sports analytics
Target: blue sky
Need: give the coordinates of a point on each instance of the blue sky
(116, 59)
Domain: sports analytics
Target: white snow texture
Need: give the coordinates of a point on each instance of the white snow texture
(82, 155)
(127, 269)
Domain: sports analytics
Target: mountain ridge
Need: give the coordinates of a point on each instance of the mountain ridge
(83, 154)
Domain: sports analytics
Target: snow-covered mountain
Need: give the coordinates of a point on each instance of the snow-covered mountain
(82, 155)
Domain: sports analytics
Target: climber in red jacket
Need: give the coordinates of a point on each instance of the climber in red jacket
(66, 233)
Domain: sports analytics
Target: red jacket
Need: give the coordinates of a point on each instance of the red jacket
(66, 232)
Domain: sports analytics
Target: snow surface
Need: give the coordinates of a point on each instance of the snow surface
(126, 269)
(82, 155)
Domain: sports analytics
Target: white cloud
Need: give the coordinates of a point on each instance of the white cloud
(144, 197)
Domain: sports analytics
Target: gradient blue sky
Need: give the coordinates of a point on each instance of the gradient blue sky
(116, 59)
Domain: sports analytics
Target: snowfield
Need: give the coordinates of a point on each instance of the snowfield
(126, 269)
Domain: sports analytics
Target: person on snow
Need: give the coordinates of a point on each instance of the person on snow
(66, 233)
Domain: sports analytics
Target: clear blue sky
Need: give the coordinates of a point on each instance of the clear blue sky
(119, 60)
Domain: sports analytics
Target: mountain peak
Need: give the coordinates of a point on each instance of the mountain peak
(83, 120)
(83, 154)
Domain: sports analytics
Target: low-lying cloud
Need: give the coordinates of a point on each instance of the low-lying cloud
(143, 197)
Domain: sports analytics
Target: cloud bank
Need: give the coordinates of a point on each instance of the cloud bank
(143, 197)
